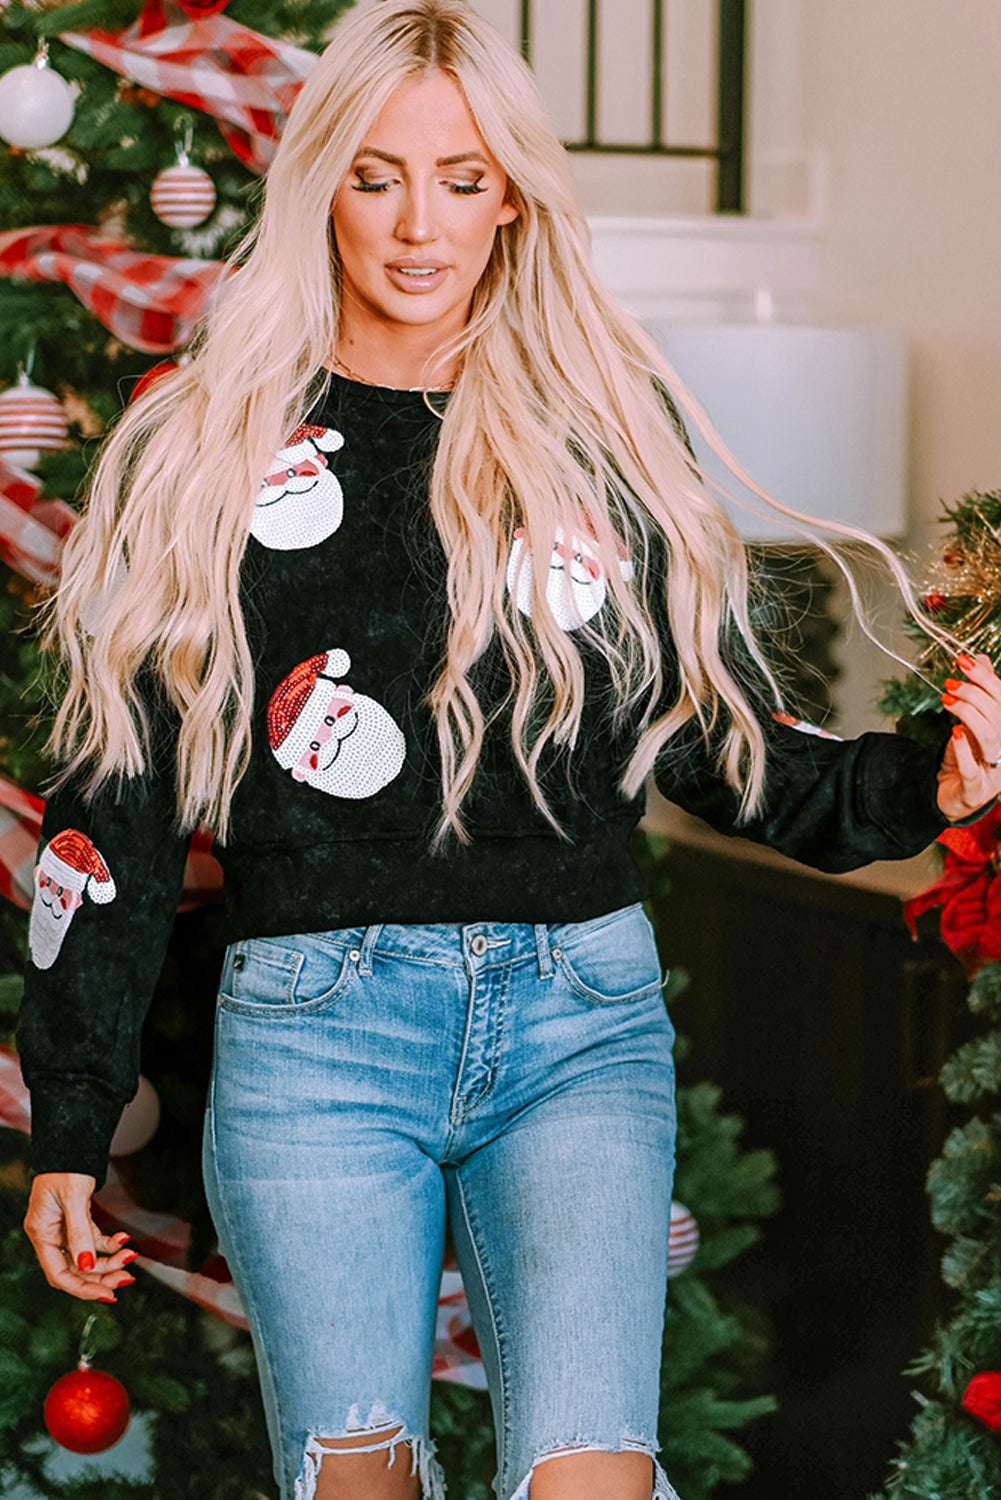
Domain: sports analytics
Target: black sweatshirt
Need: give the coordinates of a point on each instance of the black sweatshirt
(345, 607)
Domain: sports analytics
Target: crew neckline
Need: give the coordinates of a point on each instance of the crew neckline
(392, 393)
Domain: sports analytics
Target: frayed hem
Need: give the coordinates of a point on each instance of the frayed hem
(662, 1487)
(423, 1460)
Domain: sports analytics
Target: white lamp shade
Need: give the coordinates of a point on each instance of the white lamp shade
(817, 416)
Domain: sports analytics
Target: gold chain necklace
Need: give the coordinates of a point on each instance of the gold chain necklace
(353, 375)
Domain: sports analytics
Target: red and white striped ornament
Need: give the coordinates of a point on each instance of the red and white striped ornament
(32, 422)
(683, 1241)
(183, 195)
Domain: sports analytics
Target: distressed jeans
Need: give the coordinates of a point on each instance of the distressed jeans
(514, 1081)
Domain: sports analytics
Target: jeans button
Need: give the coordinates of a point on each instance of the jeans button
(479, 945)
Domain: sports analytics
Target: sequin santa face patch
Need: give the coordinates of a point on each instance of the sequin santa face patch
(328, 735)
(575, 584)
(69, 869)
(301, 502)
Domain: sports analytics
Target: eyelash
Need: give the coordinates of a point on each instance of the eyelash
(463, 189)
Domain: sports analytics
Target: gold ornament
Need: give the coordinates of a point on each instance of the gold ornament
(969, 579)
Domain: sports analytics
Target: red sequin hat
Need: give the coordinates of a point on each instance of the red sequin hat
(290, 724)
(72, 861)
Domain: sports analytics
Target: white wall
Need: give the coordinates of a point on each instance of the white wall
(904, 99)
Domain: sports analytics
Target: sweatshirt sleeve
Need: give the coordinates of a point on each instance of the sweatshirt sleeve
(830, 803)
(833, 804)
(105, 890)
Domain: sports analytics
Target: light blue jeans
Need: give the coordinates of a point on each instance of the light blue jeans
(517, 1080)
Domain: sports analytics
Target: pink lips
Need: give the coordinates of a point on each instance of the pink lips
(402, 273)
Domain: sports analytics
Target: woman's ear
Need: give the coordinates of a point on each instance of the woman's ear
(510, 208)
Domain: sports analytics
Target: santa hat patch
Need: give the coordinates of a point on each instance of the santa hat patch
(303, 431)
(72, 861)
(292, 695)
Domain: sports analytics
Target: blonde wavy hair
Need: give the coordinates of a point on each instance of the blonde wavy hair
(557, 423)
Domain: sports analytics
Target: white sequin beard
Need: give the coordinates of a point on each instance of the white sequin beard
(46, 932)
(366, 760)
(585, 599)
(299, 519)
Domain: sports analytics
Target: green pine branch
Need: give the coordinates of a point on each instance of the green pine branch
(949, 1454)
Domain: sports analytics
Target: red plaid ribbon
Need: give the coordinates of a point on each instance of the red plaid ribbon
(162, 1241)
(246, 80)
(150, 302)
(20, 826)
(31, 530)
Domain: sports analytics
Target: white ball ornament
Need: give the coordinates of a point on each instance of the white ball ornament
(36, 104)
(683, 1241)
(138, 1122)
(184, 195)
(32, 422)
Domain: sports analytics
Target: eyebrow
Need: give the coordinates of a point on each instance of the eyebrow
(443, 161)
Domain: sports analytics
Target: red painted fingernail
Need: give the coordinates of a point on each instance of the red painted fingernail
(952, 684)
(132, 1255)
(121, 1238)
(85, 1260)
(106, 1299)
(125, 1281)
(957, 732)
(948, 699)
(965, 661)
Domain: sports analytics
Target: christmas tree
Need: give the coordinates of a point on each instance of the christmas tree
(96, 287)
(954, 1448)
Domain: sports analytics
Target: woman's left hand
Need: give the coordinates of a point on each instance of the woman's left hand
(970, 773)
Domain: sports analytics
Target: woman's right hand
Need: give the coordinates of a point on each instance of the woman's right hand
(75, 1256)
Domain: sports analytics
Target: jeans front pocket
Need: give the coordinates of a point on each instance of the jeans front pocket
(611, 960)
(262, 974)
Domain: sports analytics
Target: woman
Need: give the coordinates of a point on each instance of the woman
(415, 678)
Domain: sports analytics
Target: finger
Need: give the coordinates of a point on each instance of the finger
(81, 1232)
(980, 670)
(976, 786)
(60, 1274)
(109, 1243)
(113, 1250)
(982, 719)
(107, 1265)
(983, 688)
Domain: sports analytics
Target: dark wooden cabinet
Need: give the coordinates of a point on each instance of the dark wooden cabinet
(826, 1027)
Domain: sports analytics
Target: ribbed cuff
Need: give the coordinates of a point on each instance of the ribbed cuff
(72, 1122)
(900, 782)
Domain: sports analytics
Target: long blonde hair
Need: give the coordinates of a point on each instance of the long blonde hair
(557, 423)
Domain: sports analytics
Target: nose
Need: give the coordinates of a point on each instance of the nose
(416, 225)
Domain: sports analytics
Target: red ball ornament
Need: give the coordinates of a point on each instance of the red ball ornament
(87, 1410)
(150, 377)
(197, 8)
(683, 1241)
(32, 422)
(934, 603)
(982, 1399)
(183, 196)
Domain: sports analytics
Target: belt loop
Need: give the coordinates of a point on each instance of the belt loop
(542, 950)
(368, 943)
